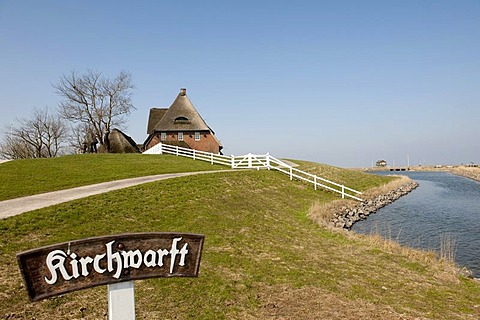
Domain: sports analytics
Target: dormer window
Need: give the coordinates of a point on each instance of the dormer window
(181, 120)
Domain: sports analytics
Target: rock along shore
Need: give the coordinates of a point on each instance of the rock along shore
(346, 216)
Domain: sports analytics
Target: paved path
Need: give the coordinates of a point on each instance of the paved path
(16, 206)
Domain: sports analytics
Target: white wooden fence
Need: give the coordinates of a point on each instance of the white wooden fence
(252, 161)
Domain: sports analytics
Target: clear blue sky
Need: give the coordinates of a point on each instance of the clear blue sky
(337, 82)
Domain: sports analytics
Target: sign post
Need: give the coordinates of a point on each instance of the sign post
(121, 302)
(110, 260)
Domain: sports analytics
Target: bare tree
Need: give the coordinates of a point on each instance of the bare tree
(96, 102)
(15, 148)
(78, 137)
(43, 135)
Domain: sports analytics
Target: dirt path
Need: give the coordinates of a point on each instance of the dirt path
(16, 206)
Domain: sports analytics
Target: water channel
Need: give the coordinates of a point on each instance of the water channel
(444, 206)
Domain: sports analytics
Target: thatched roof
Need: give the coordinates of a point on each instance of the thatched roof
(181, 116)
(156, 114)
(119, 142)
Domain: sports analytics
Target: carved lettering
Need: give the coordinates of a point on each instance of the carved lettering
(84, 262)
(116, 261)
(58, 256)
(96, 263)
(149, 258)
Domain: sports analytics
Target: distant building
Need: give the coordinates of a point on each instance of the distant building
(118, 142)
(381, 163)
(181, 125)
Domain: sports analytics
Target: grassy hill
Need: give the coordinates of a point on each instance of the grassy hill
(262, 259)
(31, 176)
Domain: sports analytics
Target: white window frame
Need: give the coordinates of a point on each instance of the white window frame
(197, 136)
(180, 136)
(163, 136)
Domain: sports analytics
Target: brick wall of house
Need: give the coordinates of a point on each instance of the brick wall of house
(206, 143)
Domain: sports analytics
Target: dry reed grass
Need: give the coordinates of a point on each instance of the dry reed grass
(445, 268)
(468, 172)
(448, 246)
(392, 185)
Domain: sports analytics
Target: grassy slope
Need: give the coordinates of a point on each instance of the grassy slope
(262, 257)
(32, 176)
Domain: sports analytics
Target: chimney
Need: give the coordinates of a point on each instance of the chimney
(183, 91)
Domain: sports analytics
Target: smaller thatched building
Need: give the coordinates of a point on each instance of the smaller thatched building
(118, 142)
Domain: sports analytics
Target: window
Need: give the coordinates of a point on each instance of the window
(180, 136)
(181, 120)
(163, 136)
(197, 136)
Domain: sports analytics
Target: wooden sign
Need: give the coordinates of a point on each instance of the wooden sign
(80, 264)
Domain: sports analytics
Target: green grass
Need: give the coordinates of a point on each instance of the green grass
(262, 259)
(32, 176)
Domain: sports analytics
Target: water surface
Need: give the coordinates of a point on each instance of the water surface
(443, 206)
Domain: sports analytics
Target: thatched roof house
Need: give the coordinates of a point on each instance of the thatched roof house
(118, 142)
(181, 125)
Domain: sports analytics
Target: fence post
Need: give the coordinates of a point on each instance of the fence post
(176, 151)
(193, 154)
(315, 182)
(249, 160)
(268, 160)
(291, 173)
(233, 162)
(211, 158)
(161, 148)
(343, 191)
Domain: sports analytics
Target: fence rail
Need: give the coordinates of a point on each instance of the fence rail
(253, 161)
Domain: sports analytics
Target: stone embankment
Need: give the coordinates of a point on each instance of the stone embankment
(346, 216)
